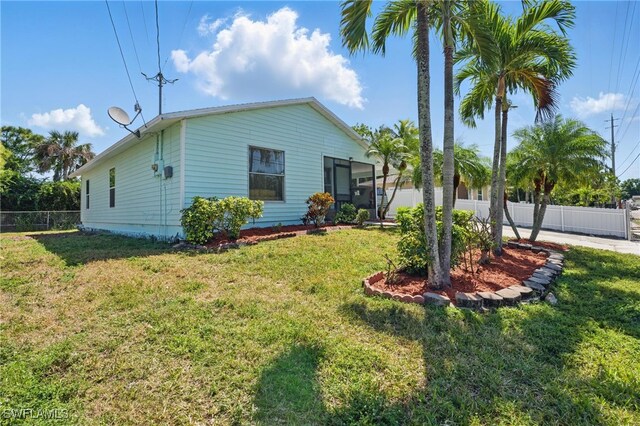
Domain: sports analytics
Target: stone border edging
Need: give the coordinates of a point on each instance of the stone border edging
(531, 289)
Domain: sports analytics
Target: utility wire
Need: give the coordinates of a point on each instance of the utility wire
(158, 35)
(630, 154)
(613, 46)
(135, 96)
(184, 26)
(634, 82)
(120, 48)
(124, 4)
(144, 21)
(630, 121)
(629, 166)
(623, 50)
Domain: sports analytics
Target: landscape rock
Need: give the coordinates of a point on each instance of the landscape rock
(534, 286)
(490, 299)
(545, 281)
(513, 244)
(436, 299)
(546, 272)
(556, 255)
(537, 249)
(526, 246)
(511, 297)
(525, 292)
(551, 299)
(407, 298)
(553, 267)
(418, 299)
(468, 300)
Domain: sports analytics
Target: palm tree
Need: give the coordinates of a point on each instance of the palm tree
(530, 57)
(469, 167)
(555, 151)
(61, 153)
(387, 149)
(406, 134)
(400, 17)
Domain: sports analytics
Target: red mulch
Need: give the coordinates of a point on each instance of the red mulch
(513, 267)
(254, 235)
(547, 245)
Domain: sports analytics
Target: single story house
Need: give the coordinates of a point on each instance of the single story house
(280, 152)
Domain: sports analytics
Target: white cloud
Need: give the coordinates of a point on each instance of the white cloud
(272, 59)
(588, 106)
(206, 27)
(78, 119)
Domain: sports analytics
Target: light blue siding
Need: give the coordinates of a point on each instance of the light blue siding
(217, 149)
(145, 204)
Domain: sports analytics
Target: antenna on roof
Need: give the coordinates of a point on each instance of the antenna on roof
(121, 117)
(159, 77)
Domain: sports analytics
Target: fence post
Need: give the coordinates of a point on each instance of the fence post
(48, 213)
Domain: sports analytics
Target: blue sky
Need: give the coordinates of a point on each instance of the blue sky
(61, 67)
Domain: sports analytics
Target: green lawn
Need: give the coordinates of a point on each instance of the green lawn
(122, 331)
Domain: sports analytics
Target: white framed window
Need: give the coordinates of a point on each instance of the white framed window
(266, 174)
(87, 195)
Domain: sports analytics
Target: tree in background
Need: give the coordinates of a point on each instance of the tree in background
(552, 152)
(21, 144)
(528, 56)
(401, 18)
(61, 154)
(629, 188)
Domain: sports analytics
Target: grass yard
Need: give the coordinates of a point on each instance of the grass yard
(122, 331)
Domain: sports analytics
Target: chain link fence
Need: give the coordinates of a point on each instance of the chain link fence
(38, 220)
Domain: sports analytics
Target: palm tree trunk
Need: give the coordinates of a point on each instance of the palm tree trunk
(537, 224)
(506, 213)
(381, 210)
(393, 194)
(495, 168)
(502, 177)
(426, 142)
(447, 149)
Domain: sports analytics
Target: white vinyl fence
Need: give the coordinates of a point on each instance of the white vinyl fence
(583, 220)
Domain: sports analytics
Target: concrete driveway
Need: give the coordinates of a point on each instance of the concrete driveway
(621, 246)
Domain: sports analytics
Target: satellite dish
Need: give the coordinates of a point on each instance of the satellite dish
(121, 117)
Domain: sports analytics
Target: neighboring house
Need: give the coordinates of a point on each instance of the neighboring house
(280, 152)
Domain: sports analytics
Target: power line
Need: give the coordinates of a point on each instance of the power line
(158, 34)
(629, 166)
(613, 45)
(131, 34)
(631, 121)
(630, 154)
(184, 26)
(120, 48)
(144, 21)
(623, 50)
(632, 88)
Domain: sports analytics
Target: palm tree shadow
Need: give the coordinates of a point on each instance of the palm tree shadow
(77, 248)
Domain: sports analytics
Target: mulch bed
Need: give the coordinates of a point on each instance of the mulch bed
(514, 266)
(255, 235)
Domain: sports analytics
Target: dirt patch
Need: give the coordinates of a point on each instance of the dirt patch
(544, 244)
(513, 267)
(255, 235)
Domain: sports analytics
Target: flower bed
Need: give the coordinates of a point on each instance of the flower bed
(522, 273)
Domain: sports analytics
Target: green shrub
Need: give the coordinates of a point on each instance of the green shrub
(346, 214)
(197, 220)
(319, 204)
(412, 246)
(205, 216)
(362, 216)
(233, 212)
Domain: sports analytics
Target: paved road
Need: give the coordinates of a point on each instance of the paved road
(621, 246)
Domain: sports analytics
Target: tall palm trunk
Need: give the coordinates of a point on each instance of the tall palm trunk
(495, 168)
(447, 148)
(542, 201)
(426, 142)
(502, 177)
(511, 222)
(393, 194)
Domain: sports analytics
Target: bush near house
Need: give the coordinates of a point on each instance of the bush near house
(412, 246)
(207, 216)
(362, 216)
(346, 214)
(319, 205)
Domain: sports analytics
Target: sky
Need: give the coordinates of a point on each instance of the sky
(61, 67)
